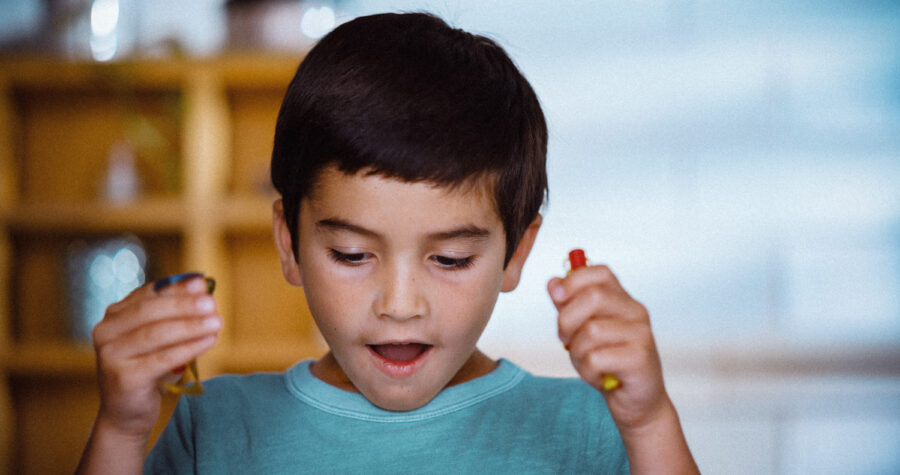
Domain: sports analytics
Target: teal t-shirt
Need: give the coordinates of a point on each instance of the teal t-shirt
(507, 421)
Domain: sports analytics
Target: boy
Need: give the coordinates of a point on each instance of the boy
(410, 159)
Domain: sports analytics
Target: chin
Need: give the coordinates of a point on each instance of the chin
(401, 401)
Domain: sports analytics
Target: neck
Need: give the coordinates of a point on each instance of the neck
(328, 370)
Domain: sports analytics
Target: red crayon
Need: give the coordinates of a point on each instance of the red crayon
(577, 259)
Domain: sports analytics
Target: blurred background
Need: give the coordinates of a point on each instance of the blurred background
(737, 164)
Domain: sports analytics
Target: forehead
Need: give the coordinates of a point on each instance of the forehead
(374, 197)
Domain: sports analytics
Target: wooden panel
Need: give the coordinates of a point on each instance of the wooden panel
(39, 288)
(55, 416)
(62, 151)
(146, 215)
(54, 421)
(40, 309)
(254, 113)
(202, 132)
(266, 307)
(8, 173)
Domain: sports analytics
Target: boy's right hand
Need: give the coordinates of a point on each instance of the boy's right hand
(138, 343)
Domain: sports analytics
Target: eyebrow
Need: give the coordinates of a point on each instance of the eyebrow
(467, 232)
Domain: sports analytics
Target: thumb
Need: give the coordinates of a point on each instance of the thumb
(557, 291)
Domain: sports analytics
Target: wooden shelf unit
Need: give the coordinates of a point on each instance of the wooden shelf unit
(202, 132)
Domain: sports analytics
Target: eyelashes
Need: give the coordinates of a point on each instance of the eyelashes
(454, 263)
(355, 258)
(359, 258)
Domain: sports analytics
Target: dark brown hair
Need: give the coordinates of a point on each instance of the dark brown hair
(406, 96)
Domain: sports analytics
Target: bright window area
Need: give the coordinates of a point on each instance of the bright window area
(738, 165)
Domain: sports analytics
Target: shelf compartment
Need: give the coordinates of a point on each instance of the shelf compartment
(53, 421)
(267, 311)
(253, 112)
(39, 292)
(62, 152)
(159, 215)
(51, 358)
(247, 214)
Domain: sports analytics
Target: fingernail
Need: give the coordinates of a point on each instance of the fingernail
(196, 285)
(206, 304)
(556, 290)
(212, 322)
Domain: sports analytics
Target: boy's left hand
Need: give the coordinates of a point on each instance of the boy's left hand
(607, 331)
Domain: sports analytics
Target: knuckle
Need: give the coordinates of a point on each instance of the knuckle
(594, 359)
(593, 330)
(154, 333)
(159, 358)
(638, 311)
(103, 354)
(98, 335)
(640, 308)
(595, 297)
(110, 311)
(144, 307)
(114, 308)
(603, 273)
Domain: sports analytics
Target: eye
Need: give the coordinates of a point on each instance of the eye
(352, 259)
(453, 263)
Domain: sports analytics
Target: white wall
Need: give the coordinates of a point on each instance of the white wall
(738, 165)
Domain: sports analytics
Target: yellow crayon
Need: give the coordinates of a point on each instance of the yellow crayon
(577, 259)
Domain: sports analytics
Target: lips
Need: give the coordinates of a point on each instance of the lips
(400, 352)
(400, 360)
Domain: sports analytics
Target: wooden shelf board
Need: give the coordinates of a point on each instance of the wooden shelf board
(51, 358)
(258, 71)
(238, 69)
(247, 213)
(148, 215)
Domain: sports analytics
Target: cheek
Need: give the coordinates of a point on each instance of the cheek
(469, 303)
(329, 301)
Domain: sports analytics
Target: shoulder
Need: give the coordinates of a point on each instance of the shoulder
(565, 416)
(243, 383)
(554, 391)
(235, 394)
(559, 401)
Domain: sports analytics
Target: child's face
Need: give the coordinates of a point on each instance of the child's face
(401, 279)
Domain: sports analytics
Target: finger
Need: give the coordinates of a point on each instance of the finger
(166, 282)
(602, 332)
(191, 283)
(163, 361)
(137, 294)
(162, 334)
(149, 310)
(148, 369)
(594, 364)
(562, 289)
(592, 302)
(150, 291)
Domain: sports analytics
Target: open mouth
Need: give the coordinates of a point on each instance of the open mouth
(400, 352)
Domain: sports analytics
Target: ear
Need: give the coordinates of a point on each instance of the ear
(289, 265)
(513, 271)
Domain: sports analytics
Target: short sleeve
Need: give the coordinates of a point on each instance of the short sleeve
(174, 450)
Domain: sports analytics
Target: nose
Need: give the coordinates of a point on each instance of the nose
(401, 293)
